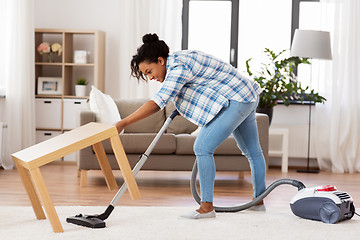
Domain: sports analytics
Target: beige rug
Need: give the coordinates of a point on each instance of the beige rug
(164, 223)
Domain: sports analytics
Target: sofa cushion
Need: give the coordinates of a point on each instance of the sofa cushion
(179, 124)
(151, 124)
(185, 143)
(137, 143)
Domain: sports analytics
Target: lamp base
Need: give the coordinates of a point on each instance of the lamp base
(307, 171)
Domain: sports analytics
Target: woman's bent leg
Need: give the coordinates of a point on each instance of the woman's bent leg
(246, 136)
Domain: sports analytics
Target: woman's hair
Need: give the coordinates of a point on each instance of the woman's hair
(150, 51)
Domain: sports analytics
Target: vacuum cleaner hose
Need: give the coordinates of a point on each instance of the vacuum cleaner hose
(244, 206)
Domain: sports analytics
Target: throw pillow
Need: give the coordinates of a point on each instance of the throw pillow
(103, 106)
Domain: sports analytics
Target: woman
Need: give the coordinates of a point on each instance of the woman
(211, 94)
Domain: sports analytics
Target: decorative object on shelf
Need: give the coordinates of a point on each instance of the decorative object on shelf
(80, 56)
(279, 82)
(49, 85)
(314, 45)
(45, 48)
(56, 48)
(80, 87)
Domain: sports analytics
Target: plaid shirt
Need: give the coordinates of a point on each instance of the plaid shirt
(201, 85)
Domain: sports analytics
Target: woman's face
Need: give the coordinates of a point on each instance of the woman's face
(154, 71)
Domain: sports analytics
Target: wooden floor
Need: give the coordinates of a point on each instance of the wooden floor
(163, 188)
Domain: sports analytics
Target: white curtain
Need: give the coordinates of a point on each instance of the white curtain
(17, 57)
(162, 17)
(338, 121)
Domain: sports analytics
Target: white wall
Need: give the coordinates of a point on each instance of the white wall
(105, 15)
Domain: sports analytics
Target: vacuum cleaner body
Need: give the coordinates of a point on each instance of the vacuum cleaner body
(324, 203)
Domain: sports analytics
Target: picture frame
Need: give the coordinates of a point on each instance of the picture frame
(80, 56)
(49, 85)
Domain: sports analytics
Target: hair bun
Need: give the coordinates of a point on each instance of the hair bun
(149, 38)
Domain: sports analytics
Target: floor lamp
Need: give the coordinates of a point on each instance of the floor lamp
(314, 45)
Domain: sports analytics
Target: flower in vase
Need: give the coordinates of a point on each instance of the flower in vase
(44, 48)
(56, 48)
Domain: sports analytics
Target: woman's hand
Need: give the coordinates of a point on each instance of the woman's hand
(149, 108)
(120, 125)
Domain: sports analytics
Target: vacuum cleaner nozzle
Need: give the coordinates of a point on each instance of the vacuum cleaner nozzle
(86, 221)
(91, 221)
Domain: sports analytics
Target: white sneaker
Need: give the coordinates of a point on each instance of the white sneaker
(197, 215)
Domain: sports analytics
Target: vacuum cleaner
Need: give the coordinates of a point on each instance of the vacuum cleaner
(320, 203)
(324, 203)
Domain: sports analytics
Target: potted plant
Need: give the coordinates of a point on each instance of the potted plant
(80, 87)
(279, 82)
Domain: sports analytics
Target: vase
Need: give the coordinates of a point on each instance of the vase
(51, 57)
(80, 90)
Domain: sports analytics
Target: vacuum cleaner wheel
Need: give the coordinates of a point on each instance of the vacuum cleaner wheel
(329, 212)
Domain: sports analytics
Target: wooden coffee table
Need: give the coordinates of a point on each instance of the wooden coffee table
(28, 162)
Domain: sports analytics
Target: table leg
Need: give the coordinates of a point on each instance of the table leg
(83, 178)
(29, 187)
(105, 166)
(46, 200)
(125, 167)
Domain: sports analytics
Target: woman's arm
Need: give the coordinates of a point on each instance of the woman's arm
(149, 108)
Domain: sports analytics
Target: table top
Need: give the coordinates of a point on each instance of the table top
(64, 144)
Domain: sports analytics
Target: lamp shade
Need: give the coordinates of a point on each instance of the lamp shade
(311, 44)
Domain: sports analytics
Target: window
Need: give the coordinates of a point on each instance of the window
(254, 25)
(263, 24)
(212, 26)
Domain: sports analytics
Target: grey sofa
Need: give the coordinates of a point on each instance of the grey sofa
(174, 151)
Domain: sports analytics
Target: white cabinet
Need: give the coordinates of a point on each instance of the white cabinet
(42, 135)
(71, 108)
(48, 113)
(72, 156)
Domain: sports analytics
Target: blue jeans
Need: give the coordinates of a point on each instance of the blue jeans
(238, 119)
